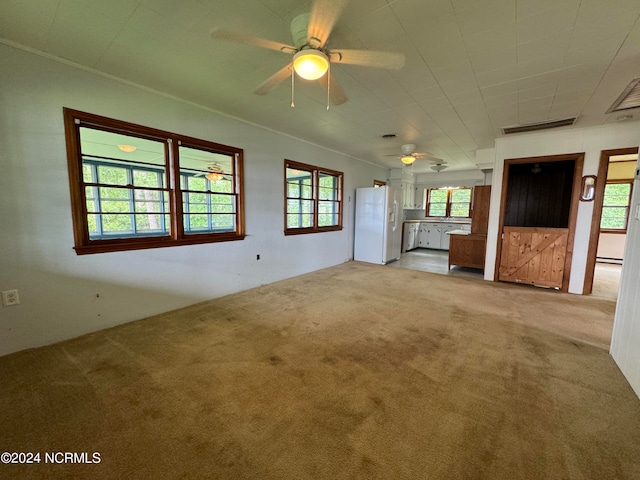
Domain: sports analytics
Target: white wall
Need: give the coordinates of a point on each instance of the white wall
(64, 295)
(625, 341)
(611, 245)
(591, 141)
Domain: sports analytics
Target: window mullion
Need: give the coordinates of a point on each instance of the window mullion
(97, 204)
(172, 163)
(209, 204)
(315, 193)
(132, 202)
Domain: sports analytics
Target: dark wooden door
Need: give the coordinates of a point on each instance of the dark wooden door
(534, 255)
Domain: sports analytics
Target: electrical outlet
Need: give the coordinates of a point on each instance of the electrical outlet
(10, 297)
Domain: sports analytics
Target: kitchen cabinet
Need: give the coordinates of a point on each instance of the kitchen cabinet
(445, 239)
(412, 195)
(467, 250)
(435, 235)
(410, 236)
(419, 197)
(409, 195)
(407, 191)
(480, 209)
(430, 235)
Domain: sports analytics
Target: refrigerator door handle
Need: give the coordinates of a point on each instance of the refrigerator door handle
(395, 215)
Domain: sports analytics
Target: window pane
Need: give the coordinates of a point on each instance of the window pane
(223, 185)
(615, 206)
(196, 183)
(299, 183)
(115, 206)
(196, 197)
(617, 194)
(196, 221)
(149, 207)
(460, 210)
(302, 220)
(206, 171)
(149, 224)
(147, 178)
(111, 193)
(87, 174)
(107, 145)
(327, 214)
(299, 206)
(116, 224)
(225, 223)
(112, 175)
(438, 196)
(614, 218)
(437, 209)
(461, 195)
(328, 187)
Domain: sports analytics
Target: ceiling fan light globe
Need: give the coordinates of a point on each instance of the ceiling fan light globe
(310, 64)
(408, 160)
(213, 176)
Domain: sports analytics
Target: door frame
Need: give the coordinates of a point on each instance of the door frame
(594, 235)
(573, 212)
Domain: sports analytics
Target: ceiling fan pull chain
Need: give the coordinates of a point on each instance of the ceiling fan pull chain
(328, 84)
(292, 86)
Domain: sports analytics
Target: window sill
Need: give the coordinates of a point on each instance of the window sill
(302, 231)
(126, 244)
(621, 231)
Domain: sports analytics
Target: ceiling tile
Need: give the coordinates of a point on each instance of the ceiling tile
(472, 66)
(486, 15)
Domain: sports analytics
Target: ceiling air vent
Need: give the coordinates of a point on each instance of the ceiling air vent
(532, 127)
(630, 98)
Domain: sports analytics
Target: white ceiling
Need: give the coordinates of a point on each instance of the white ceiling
(472, 66)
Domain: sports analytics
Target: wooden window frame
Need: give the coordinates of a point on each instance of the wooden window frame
(628, 207)
(449, 202)
(74, 120)
(315, 197)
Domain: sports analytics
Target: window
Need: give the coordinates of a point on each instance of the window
(313, 199)
(615, 209)
(449, 202)
(134, 187)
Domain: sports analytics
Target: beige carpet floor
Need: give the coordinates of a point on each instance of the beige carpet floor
(353, 372)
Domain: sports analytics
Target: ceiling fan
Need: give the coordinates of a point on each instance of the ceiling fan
(213, 173)
(409, 155)
(311, 54)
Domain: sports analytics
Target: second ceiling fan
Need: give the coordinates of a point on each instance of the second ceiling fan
(409, 155)
(311, 54)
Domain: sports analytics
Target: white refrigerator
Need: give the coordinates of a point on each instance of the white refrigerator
(378, 225)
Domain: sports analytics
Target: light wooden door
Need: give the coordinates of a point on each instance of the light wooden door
(535, 256)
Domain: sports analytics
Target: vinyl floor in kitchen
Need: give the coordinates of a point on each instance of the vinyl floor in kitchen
(605, 285)
(434, 261)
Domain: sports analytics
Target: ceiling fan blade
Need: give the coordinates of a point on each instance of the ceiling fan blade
(221, 34)
(324, 15)
(369, 58)
(428, 156)
(336, 93)
(273, 81)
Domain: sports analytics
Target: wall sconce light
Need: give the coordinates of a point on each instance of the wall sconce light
(588, 190)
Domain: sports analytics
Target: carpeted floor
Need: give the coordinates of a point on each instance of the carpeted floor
(353, 372)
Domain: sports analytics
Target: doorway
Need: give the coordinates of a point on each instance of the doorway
(538, 212)
(604, 178)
